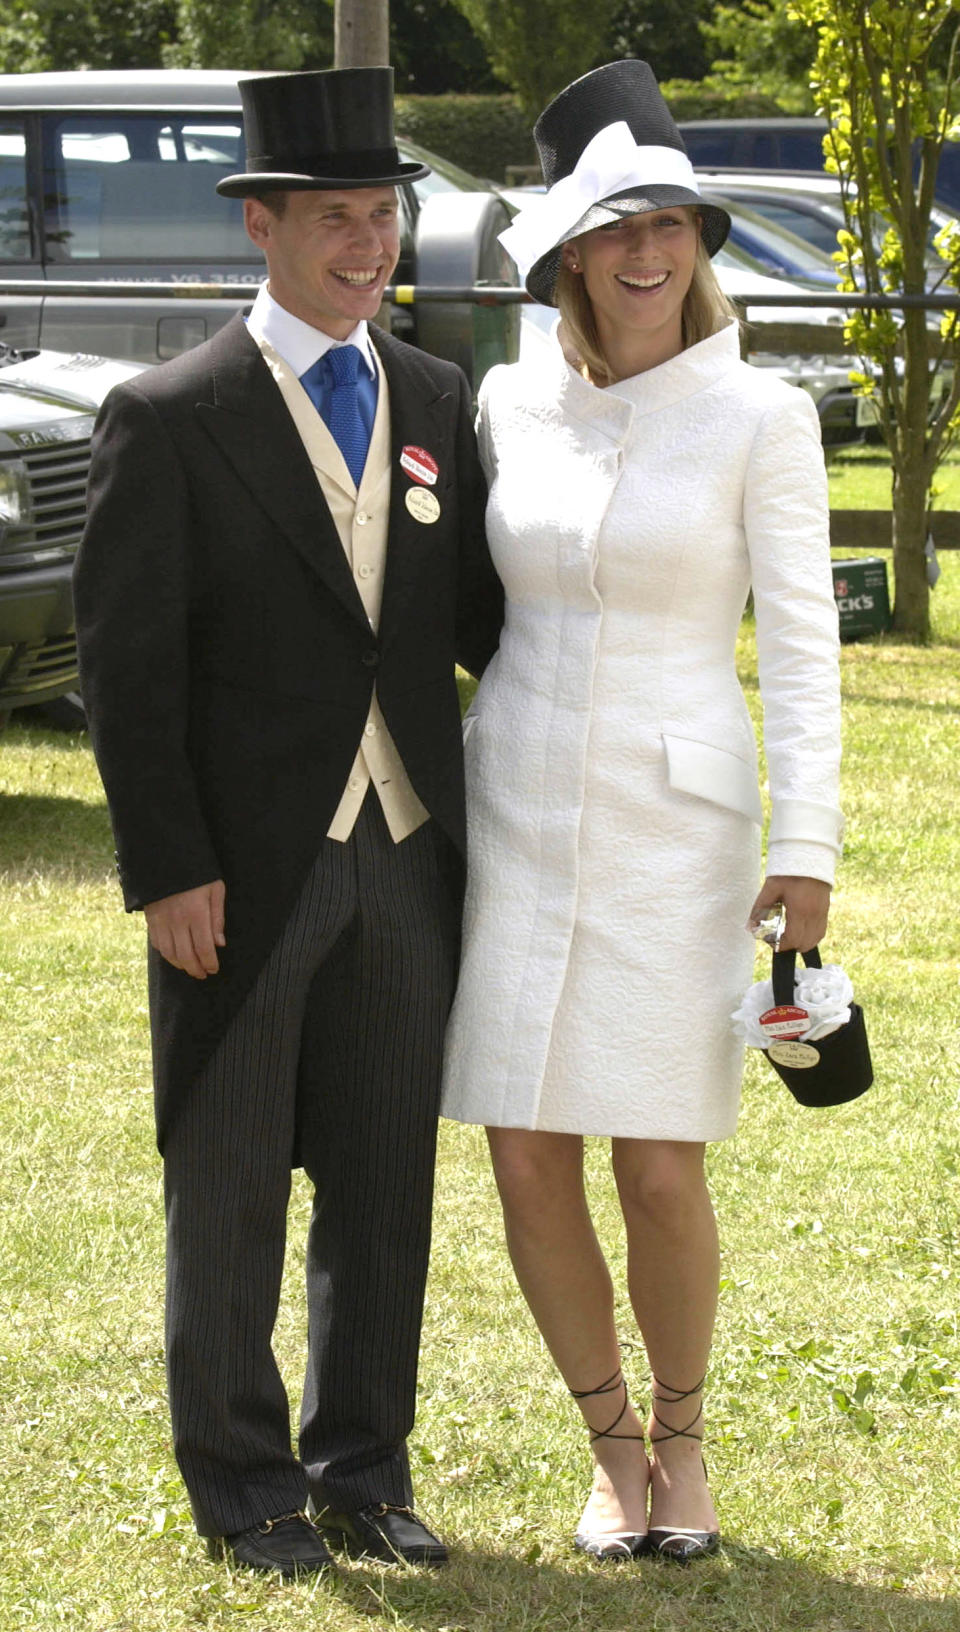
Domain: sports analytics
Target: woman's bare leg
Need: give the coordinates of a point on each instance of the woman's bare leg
(564, 1278)
(673, 1273)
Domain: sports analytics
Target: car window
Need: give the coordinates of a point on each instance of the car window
(707, 147)
(14, 217)
(141, 187)
(948, 175)
(444, 177)
(801, 149)
(762, 150)
(778, 244)
(817, 231)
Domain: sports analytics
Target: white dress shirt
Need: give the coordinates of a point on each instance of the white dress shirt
(298, 343)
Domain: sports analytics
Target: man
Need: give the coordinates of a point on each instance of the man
(283, 557)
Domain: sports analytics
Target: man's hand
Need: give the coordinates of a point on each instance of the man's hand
(807, 901)
(186, 929)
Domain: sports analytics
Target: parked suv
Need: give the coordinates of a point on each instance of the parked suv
(755, 144)
(788, 144)
(48, 402)
(111, 176)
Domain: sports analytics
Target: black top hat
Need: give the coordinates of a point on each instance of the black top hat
(310, 131)
(620, 92)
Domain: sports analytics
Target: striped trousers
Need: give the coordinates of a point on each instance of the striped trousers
(333, 1062)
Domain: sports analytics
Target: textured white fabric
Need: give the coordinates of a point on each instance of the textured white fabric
(605, 947)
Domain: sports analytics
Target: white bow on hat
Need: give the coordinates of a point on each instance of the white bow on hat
(610, 163)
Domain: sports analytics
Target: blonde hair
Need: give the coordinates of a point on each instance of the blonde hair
(705, 311)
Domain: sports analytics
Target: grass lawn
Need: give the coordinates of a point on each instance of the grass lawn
(860, 479)
(834, 1398)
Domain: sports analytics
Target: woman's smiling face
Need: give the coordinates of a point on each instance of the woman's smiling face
(637, 271)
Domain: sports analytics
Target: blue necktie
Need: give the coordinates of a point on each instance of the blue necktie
(332, 387)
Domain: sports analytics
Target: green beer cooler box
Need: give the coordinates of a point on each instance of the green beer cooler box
(863, 600)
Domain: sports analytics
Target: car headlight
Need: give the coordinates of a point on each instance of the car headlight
(14, 493)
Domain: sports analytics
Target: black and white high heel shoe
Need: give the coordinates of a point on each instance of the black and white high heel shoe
(610, 1544)
(677, 1542)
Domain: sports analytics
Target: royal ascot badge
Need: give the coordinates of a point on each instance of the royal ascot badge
(784, 1023)
(420, 465)
(800, 1055)
(423, 506)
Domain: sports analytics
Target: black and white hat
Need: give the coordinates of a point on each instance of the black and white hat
(311, 131)
(609, 147)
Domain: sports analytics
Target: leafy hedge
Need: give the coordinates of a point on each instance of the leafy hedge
(486, 134)
(689, 99)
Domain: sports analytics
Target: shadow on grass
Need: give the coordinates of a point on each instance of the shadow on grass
(739, 1591)
(55, 836)
(916, 704)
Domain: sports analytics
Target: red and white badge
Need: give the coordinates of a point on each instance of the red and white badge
(419, 464)
(784, 1023)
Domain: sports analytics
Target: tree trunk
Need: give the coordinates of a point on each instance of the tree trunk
(911, 609)
(361, 33)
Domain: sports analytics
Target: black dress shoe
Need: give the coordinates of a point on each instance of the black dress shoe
(682, 1546)
(391, 1535)
(611, 1544)
(290, 1545)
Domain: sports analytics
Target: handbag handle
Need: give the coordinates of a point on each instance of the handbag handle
(784, 971)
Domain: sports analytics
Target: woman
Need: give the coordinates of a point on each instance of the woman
(641, 482)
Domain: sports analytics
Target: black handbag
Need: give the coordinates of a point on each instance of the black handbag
(834, 1069)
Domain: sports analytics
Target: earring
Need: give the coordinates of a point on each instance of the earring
(574, 266)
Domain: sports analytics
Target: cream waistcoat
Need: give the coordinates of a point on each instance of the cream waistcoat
(361, 518)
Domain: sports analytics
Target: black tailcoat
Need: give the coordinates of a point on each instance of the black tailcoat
(226, 658)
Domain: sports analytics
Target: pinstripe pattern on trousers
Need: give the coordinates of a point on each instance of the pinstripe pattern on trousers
(333, 1061)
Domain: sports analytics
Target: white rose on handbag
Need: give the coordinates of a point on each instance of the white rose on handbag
(810, 1029)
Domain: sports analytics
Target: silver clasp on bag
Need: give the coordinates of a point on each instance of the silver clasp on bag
(771, 928)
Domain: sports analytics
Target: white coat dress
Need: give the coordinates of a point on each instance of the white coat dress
(612, 800)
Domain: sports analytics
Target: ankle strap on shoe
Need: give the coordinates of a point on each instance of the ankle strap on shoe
(668, 1395)
(611, 1385)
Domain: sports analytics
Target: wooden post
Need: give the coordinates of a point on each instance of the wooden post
(361, 33)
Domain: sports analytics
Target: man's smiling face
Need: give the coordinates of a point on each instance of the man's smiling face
(329, 254)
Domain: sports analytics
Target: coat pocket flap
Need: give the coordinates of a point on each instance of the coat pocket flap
(713, 773)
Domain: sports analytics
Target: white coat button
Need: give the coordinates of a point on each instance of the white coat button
(361, 517)
(369, 729)
(354, 784)
(364, 570)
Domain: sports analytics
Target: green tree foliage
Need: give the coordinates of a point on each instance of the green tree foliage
(874, 78)
(252, 34)
(39, 35)
(665, 33)
(434, 50)
(761, 47)
(485, 134)
(538, 46)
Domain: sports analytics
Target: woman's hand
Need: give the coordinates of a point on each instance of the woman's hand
(807, 901)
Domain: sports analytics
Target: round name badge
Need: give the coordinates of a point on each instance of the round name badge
(423, 506)
(800, 1055)
(785, 1021)
(419, 464)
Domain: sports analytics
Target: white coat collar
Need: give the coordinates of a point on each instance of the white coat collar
(613, 408)
(682, 376)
